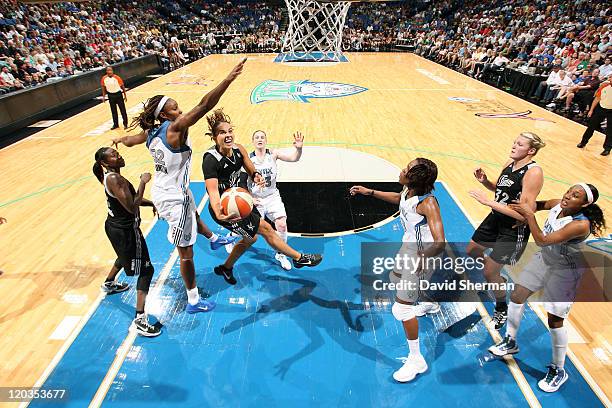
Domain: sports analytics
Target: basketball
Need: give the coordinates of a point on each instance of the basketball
(236, 201)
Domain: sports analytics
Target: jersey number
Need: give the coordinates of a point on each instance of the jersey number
(268, 181)
(501, 197)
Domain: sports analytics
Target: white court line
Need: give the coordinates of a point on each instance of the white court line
(126, 346)
(515, 370)
(64, 329)
(60, 353)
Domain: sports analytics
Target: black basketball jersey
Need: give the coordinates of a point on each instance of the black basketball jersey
(509, 186)
(118, 216)
(225, 169)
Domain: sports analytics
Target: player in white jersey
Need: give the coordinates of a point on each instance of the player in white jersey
(556, 269)
(169, 145)
(267, 198)
(423, 238)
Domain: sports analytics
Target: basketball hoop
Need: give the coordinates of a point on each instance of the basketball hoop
(314, 32)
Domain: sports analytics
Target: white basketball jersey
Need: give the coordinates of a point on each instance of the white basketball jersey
(172, 166)
(415, 225)
(567, 253)
(267, 167)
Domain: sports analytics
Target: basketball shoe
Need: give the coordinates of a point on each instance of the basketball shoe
(412, 366)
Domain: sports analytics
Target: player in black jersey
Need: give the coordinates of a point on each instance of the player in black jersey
(123, 230)
(222, 166)
(504, 229)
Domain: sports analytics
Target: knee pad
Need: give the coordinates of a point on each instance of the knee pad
(403, 312)
(144, 279)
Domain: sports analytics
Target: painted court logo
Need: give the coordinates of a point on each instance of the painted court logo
(301, 91)
(493, 109)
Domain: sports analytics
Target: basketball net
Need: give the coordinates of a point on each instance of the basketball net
(315, 31)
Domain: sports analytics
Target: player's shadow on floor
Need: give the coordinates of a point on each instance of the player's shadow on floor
(54, 285)
(312, 322)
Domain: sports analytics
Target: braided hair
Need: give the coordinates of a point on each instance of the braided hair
(146, 118)
(214, 119)
(422, 176)
(98, 168)
(594, 213)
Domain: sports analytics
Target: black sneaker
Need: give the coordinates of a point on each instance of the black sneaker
(308, 260)
(580, 145)
(114, 127)
(499, 318)
(228, 274)
(606, 152)
(142, 326)
(112, 287)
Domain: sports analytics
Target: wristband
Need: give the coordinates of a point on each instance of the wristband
(371, 192)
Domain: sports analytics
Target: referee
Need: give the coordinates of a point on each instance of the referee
(601, 109)
(112, 85)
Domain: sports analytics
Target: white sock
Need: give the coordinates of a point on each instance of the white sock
(193, 297)
(213, 237)
(515, 315)
(413, 346)
(558, 339)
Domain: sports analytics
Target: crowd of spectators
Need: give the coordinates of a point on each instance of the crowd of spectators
(565, 45)
(563, 41)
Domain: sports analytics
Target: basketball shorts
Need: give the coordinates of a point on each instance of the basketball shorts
(179, 211)
(507, 241)
(131, 249)
(559, 284)
(271, 207)
(410, 279)
(246, 227)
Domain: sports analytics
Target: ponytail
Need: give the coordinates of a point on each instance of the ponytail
(594, 213)
(98, 169)
(214, 119)
(146, 118)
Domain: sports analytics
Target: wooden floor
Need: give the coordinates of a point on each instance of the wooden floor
(55, 254)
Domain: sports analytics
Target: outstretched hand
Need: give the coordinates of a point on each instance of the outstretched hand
(359, 190)
(480, 196)
(298, 140)
(522, 208)
(116, 141)
(480, 175)
(237, 70)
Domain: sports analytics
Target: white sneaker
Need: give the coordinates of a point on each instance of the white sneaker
(426, 307)
(414, 365)
(284, 262)
(229, 246)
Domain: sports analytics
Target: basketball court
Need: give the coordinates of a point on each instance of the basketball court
(279, 338)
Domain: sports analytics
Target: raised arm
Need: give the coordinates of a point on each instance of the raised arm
(532, 184)
(574, 229)
(131, 140)
(291, 154)
(119, 188)
(249, 167)
(482, 178)
(388, 196)
(206, 103)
